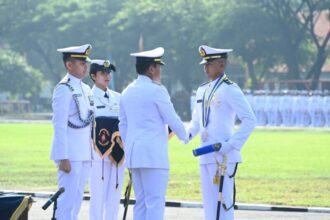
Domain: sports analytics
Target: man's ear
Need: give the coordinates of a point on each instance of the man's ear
(151, 68)
(68, 64)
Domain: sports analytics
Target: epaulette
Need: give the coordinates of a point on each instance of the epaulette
(65, 80)
(228, 81)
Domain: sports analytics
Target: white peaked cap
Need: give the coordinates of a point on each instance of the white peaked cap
(158, 52)
(210, 53)
(78, 52)
(75, 49)
(100, 62)
(210, 50)
(150, 56)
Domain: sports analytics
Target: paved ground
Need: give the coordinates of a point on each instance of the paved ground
(36, 213)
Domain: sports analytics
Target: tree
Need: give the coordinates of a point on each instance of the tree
(262, 33)
(251, 35)
(297, 19)
(17, 76)
(175, 25)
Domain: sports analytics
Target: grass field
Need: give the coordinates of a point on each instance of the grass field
(290, 167)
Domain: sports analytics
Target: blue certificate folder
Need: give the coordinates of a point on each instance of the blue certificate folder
(13, 206)
(206, 149)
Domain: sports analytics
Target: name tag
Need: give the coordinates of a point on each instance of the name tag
(78, 95)
(101, 106)
(199, 101)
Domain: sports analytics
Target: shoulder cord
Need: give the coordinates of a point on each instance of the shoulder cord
(85, 122)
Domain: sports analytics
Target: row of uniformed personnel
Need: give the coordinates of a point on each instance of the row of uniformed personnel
(145, 114)
(291, 108)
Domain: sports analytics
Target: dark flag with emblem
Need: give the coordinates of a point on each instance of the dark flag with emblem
(107, 140)
(13, 206)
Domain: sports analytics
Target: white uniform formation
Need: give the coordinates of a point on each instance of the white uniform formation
(291, 108)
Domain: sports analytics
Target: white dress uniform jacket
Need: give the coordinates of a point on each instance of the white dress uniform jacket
(317, 116)
(326, 109)
(228, 101)
(145, 110)
(69, 143)
(105, 198)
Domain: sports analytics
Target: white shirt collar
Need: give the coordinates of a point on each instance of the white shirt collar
(144, 78)
(99, 92)
(73, 79)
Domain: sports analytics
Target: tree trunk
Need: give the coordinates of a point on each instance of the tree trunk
(316, 69)
(293, 67)
(252, 75)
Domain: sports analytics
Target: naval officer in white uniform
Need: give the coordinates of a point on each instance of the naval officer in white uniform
(218, 102)
(326, 107)
(72, 116)
(105, 193)
(145, 111)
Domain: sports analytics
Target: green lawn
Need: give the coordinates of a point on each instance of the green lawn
(288, 167)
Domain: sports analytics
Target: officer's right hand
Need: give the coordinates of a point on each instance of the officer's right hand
(65, 166)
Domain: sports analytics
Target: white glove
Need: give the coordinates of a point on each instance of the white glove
(225, 148)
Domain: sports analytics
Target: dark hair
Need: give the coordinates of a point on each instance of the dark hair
(142, 67)
(92, 71)
(95, 68)
(67, 59)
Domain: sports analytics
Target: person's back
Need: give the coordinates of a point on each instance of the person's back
(145, 110)
(143, 97)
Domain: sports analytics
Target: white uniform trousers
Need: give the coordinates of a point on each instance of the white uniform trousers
(69, 201)
(150, 189)
(327, 118)
(105, 198)
(211, 192)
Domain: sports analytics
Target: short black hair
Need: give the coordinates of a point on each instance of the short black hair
(92, 73)
(67, 59)
(142, 67)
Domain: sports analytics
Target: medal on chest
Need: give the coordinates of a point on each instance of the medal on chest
(204, 135)
(215, 100)
(209, 98)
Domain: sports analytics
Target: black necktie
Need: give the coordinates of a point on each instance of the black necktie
(106, 95)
